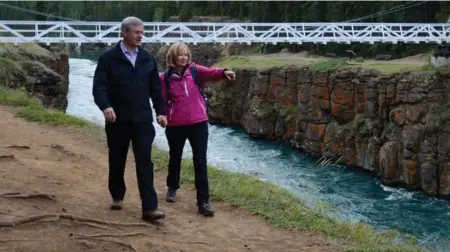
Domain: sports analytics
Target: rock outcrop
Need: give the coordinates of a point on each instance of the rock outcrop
(396, 126)
(41, 73)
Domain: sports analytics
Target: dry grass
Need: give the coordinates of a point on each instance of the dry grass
(24, 51)
(321, 63)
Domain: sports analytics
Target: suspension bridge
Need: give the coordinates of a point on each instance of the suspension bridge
(81, 32)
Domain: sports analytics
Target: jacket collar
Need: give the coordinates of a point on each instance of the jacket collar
(172, 71)
(118, 53)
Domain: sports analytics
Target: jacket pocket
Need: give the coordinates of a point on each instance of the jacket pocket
(202, 107)
(171, 110)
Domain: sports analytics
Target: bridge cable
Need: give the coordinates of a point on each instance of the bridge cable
(388, 11)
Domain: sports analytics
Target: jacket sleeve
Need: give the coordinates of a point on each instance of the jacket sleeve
(156, 91)
(210, 73)
(100, 86)
(164, 94)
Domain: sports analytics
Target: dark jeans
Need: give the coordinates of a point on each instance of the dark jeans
(141, 135)
(197, 134)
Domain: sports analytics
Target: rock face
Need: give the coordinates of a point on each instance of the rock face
(396, 126)
(41, 73)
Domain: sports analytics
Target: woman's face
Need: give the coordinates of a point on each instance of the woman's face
(182, 58)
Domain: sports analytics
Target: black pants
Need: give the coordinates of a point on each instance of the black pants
(141, 135)
(197, 134)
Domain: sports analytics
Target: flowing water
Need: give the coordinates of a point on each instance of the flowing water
(354, 196)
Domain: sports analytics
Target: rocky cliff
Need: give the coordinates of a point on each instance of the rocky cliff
(43, 74)
(396, 126)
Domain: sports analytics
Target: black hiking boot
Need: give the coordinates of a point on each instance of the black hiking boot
(153, 215)
(171, 195)
(205, 209)
(116, 205)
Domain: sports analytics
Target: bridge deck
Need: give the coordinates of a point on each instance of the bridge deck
(164, 32)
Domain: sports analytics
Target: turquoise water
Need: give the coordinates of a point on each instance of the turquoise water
(353, 195)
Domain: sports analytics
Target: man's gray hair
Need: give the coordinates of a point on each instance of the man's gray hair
(130, 21)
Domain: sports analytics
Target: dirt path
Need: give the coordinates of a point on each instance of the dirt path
(72, 166)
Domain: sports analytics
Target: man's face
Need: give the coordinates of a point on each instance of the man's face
(133, 35)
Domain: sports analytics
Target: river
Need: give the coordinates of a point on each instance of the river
(354, 196)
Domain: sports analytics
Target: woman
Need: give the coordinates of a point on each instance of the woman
(182, 87)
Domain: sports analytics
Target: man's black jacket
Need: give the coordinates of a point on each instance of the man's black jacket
(127, 89)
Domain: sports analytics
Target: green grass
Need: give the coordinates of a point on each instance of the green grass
(32, 110)
(388, 67)
(17, 98)
(325, 65)
(278, 206)
(5, 61)
(315, 64)
(248, 62)
(290, 112)
(444, 69)
(51, 117)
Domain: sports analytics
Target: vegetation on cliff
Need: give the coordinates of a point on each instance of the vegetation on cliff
(437, 118)
(317, 64)
(36, 70)
(277, 205)
(24, 51)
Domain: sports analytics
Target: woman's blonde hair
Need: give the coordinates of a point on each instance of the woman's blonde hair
(175, 50)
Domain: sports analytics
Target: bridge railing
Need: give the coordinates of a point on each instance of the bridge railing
(169, 32)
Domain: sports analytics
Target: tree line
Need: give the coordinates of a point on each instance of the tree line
(257, 11)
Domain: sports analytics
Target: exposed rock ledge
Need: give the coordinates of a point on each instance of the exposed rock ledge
(41, 73)
(396, 126)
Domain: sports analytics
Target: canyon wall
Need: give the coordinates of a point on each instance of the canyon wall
(395, 126)
(41, 73)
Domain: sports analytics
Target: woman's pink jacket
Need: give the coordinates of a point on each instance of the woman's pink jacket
(187, 105)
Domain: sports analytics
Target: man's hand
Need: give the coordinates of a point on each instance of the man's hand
(110, 115)
(162, 120)
(230, 74)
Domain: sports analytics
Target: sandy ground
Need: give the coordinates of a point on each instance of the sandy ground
(72, 167)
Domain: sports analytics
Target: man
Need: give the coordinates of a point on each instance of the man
(125, 78)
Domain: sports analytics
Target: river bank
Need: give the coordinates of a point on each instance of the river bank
(283, 166)
(83, 139)
(342, 193)
(387, 119)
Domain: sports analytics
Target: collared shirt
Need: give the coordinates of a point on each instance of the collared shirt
(130, 55)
